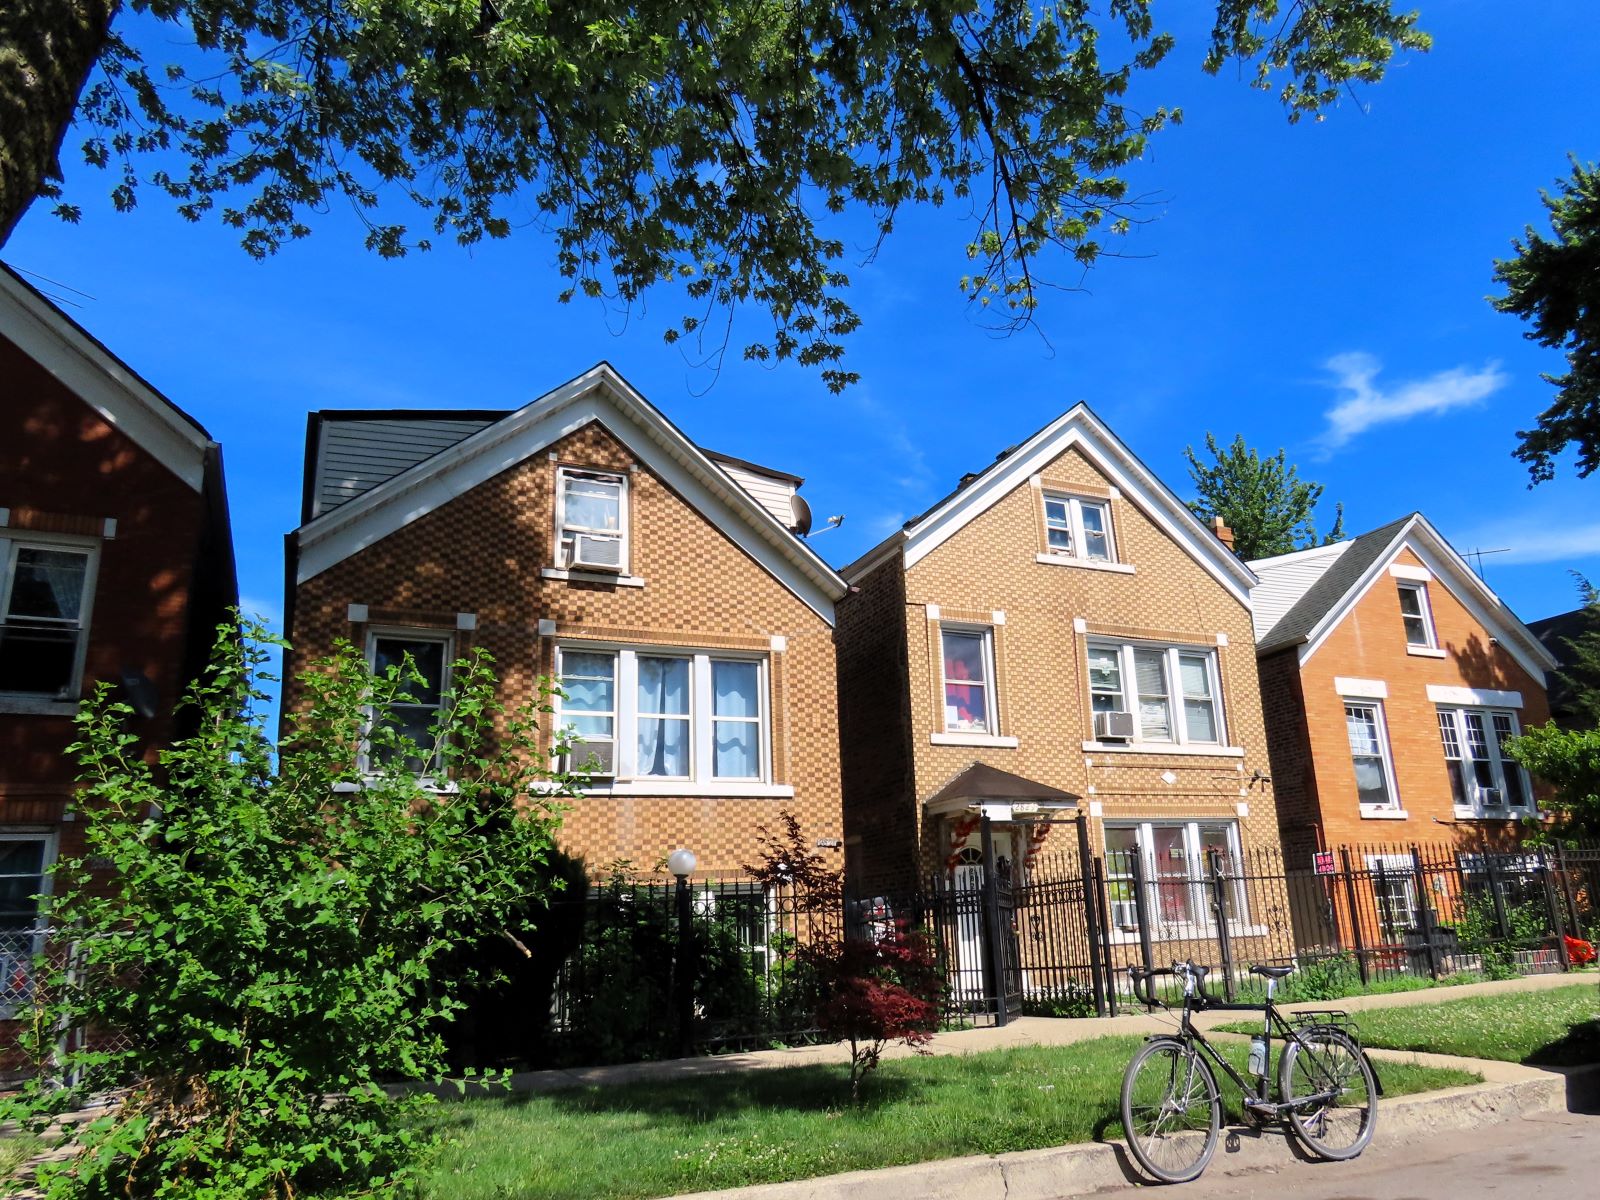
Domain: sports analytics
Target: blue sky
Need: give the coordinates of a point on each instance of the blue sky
(1318, 287)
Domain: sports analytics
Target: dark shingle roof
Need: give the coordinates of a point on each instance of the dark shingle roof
(1295, 626)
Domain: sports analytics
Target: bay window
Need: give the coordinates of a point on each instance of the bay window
(679, 717)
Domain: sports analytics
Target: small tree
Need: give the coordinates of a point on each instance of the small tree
(1569, 761)
(874, 992)
(1580, 682)
(1263, 500)
(264, 954)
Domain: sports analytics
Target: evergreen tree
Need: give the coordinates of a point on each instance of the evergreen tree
(1263, 500)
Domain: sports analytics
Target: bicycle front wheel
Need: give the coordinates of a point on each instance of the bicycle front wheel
(1332, 1097)
(1171, 1110)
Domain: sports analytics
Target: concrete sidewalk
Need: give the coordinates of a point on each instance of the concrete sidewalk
(1025, 1031)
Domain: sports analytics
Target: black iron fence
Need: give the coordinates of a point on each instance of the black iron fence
(712, 966)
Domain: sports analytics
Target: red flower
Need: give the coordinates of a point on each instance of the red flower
(1579, 951)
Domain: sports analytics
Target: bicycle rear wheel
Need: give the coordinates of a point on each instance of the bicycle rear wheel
(1171, 1110)
(1327, 1064)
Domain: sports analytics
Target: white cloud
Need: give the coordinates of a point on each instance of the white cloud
(1363, 404)
(1542, 538)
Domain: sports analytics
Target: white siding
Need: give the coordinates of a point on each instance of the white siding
(773, 493)
(1285, 579)
(358, 455)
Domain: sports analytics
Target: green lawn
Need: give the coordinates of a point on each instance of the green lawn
(767, 1126)
(1558, 1027)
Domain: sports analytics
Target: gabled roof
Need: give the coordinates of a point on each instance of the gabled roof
(102, 380)
(1077, 427)
(1329, 594)
(599, 394)
(981, 782)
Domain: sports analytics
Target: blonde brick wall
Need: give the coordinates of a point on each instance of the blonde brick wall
(989, 566)
(482, 553)
(1370, 643)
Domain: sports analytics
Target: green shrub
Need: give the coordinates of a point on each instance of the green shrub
(266, 951)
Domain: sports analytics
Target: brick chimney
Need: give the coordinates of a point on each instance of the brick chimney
(1224, 534)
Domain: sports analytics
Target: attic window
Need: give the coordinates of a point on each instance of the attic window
(591, 520)
(1076, 527)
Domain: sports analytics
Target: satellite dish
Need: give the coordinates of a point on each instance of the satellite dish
(801, 525)
(141, 693)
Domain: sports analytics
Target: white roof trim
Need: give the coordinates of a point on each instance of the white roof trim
(599, 394)
(1451, 571)
(1332, 548)
(1079, 427)
(869, 561)
(101, 380)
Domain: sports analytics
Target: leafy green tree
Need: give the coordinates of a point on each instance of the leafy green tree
(256, 938)
(1263, 500)
(1569, 761)
(1554, 283)
(704, 143)
(1579, 684)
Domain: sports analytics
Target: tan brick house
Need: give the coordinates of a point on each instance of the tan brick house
(116, 565)
(584, 537)
(1391, 676)
(1063, 619)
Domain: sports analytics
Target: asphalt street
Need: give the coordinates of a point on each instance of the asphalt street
(1549, 1156)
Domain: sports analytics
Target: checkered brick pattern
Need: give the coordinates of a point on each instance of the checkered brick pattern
(1310, 746)
(482, 553)
(1041, 670)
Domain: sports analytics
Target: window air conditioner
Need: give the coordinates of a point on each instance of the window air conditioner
(1113, 726)
(1490, 797)
(597, 759)
(1124, 914)
(598, 551)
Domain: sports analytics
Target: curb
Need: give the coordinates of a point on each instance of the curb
(1080, 1169)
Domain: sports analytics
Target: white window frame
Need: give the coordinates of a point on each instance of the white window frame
(1176, 721)
(1419, 589)
(1398, 869)
(1073, 523)
(401, 633)
(991, 705)
(1477, 807)
(1198, 882)
(565, 533)
(10, 543)
(1385, 753)
(702, 777)
(17, 960)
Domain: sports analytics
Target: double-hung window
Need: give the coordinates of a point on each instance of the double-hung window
(1394, 890)
(421, 666)
(968, 672)
(1416, 614)
(25, 860)
(679, 717)
(1484, 779)
(45, 591)
(1174, 858)
(1078, 528)
(1369, 751)
(1171, 691)
(591, 518)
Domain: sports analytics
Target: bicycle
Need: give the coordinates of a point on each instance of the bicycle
(1171, 1105)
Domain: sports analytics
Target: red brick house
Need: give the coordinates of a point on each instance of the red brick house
(116, 565)
(586, 538)
(1391, 677)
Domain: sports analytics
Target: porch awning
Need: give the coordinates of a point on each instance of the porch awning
(985, 785)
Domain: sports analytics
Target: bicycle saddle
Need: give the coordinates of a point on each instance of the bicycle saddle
(1272, 972)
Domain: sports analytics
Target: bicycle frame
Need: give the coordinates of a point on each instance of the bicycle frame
(1255, 1095)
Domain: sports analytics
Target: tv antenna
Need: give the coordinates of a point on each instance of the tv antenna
(1477, 557)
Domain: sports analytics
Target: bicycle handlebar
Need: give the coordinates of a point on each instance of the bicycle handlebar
(1193, 975)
